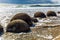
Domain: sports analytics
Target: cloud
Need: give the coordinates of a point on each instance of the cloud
(56, 1)
(39, 1)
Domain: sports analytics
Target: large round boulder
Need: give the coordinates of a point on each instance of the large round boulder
(39, 15)
(24, 17)
(51, 13)
(1, 30)
(17, 26)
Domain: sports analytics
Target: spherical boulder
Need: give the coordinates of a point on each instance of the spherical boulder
(17, 26)
(51, 13)
(58, 12)
(1, 30)
(24, 17)
(39, 15)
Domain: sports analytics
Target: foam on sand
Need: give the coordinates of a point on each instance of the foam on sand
(57, 38)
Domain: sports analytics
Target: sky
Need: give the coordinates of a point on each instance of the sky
(56, 1)
(31, 1)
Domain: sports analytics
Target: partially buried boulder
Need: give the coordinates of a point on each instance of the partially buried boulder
(51, 13)
(17, 26)
(58, 12)
(24, 17)
(39, 15)
(1, 30)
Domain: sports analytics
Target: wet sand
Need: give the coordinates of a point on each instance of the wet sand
(37, 33)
